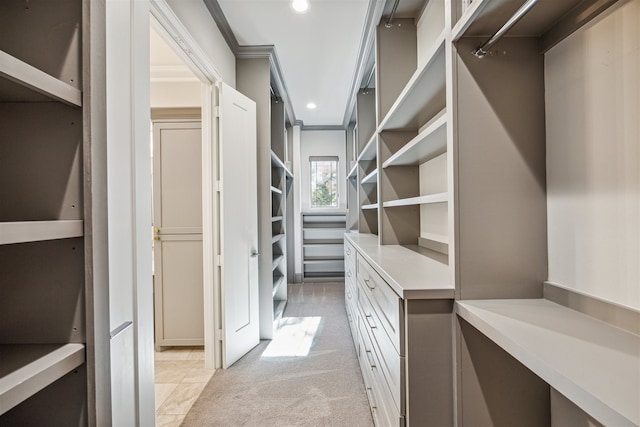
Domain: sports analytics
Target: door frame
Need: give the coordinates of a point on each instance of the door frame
(173, 32)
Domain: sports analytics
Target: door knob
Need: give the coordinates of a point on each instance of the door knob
(254, 253)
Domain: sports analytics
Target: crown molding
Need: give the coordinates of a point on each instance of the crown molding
(247, 52)
(223, 25)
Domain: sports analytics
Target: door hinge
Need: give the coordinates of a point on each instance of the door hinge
(219, 186)
(219, 334)
(219, 260)
(217, 111)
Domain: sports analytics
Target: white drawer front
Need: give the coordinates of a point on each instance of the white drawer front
(383, 407)
(391, 364)
(349, 253)
(386, 303)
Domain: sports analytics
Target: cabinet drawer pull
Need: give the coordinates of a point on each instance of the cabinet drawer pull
(370, 396)
(370, 321)
(366, 282)
(372, 365)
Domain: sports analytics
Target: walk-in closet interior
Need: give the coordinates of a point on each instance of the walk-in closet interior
(474, 192)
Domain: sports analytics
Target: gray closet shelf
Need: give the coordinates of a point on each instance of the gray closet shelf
(28, 368)
(592, 363)
(428, 144)
(424, 94)
(421, 200)
(35, 231)
(34, 80)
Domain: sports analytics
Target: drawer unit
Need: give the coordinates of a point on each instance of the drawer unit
(391, 364)
(385, 412)
(404, 345)
(349, 253)
(350, 299)
(384, 301)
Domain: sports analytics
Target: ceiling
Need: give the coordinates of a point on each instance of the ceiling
(318, 51)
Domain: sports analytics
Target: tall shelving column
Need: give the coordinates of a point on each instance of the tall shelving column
(48, 230)
(255, 78)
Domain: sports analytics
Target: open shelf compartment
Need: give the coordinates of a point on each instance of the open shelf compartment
(28, 368)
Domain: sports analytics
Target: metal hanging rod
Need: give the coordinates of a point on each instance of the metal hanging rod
(389, 22)
(482, 50)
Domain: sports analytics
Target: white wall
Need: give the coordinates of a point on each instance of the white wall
(195, 16)
(176, 94)
(129, 210)
(322, 143)
(593, 157)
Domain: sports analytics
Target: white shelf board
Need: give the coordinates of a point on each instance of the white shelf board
(279, 163)
(409, 273)
(276, 218)
(38, 81)
(28, 368)
(372, 178)
(353, 173)
(369, 207)
(592, 363)
(277, 260)
(278, 309)
(324, 228)
(277, 237)
(429, 143)
(369, 152)
(421, 200)
(277, 282)
(34, 231)
(322, 260)
(423, 96)
(275, 190)
(435, 237)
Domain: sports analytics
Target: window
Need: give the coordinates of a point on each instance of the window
(324, 182)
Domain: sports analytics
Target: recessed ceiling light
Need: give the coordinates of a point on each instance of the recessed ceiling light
(300, 6)
(311, 106)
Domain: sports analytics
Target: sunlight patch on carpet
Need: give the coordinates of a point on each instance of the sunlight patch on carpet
(294, 338)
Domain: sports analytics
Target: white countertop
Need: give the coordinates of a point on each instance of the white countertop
(410, 274)
(593, 364)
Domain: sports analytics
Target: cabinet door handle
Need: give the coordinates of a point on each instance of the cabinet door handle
(372, 365)
(370, 396)
(348, 273)
(366, 282)
(369, 318)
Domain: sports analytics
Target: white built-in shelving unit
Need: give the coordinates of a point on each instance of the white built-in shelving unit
(258, 79)
(47, 191)
(323, 245)
(451, 181)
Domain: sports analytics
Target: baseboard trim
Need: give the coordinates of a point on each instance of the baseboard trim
(622, 317)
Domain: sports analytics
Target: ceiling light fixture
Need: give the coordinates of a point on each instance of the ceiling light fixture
(300, 6)
(311, 106)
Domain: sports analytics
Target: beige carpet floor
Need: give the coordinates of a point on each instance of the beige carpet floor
(308, 375)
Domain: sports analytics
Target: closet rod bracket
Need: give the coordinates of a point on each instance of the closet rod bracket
(483, 49)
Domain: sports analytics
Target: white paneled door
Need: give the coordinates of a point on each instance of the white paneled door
(239, 224)
(177, 221)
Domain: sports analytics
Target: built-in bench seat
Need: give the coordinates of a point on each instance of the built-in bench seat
(593, 364)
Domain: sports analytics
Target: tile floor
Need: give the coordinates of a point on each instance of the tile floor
(180, 378)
